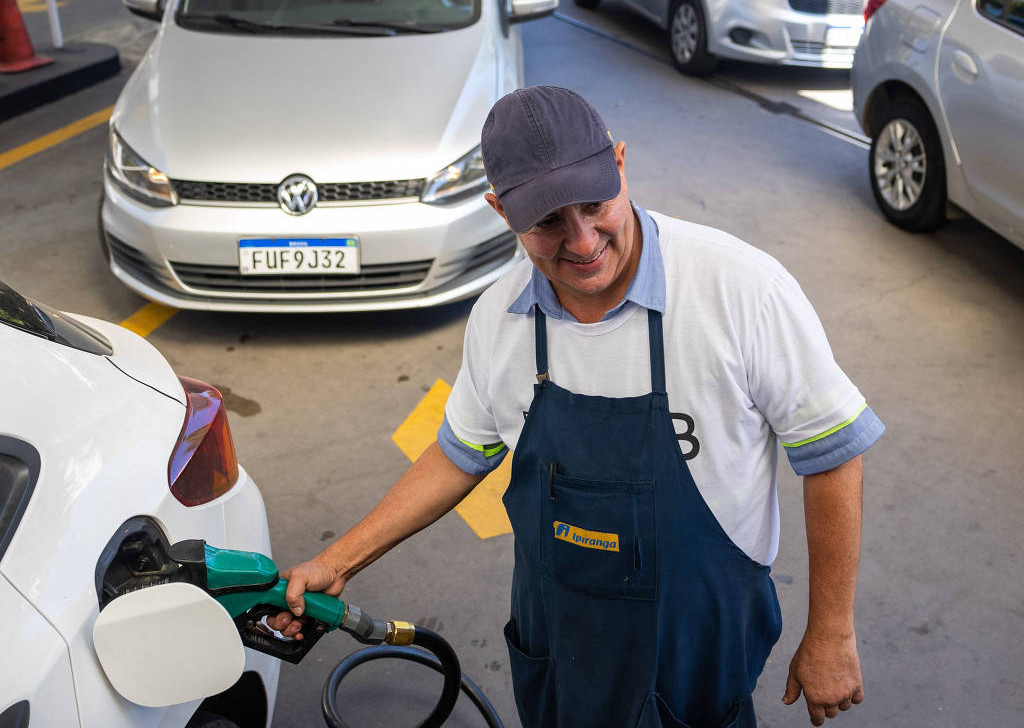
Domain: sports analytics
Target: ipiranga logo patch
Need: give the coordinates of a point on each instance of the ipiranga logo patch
(587, 539)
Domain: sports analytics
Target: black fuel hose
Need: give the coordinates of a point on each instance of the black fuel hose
(436, 654)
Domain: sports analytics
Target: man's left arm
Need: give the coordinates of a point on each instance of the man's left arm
(826, 666)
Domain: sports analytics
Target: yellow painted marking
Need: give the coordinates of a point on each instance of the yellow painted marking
(482, 510)
(36, 6)
(147, 318)
(54, 137)
(420, 428)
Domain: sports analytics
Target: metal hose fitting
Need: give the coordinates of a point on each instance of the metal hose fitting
(400, 633)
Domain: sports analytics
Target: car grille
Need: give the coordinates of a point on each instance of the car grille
(369, 278)
(372, 278)
(267, 193)
(828, 7)
(137, 264)
(487, 255)
(809, 47)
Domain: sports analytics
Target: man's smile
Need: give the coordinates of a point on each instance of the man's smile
(590, 263)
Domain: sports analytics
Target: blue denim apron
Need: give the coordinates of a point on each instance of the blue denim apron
(630, 605)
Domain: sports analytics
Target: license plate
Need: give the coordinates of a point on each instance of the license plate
(838, 37)
(292, 256)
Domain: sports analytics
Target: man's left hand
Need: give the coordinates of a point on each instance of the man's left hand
(827, 671)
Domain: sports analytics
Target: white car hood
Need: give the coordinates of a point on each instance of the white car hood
(253, 108)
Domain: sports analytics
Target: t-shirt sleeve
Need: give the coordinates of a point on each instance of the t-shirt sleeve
(469, 435)
(817, 413)
(471, 458)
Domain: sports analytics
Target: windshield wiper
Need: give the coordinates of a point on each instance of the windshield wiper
(385, 25)
(259, 26)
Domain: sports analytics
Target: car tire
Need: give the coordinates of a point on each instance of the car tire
(587, 3)
(688, 39)
(204, 719)
(906, 166)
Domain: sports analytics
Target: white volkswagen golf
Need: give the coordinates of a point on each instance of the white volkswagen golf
(106, 458)
(311, 155)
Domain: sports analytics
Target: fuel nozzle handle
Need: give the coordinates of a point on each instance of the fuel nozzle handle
(248, 586)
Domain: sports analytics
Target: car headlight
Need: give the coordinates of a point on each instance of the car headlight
(457, 181)
(138, 178)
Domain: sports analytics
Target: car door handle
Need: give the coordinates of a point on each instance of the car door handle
(963, 62)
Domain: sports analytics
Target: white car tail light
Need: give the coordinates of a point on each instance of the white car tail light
(203, 466)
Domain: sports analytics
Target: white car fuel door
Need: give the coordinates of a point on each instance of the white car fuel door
(168, 644)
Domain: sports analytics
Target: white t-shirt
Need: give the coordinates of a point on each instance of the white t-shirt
(747, 364)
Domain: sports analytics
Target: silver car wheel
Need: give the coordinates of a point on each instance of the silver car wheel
(900, 164)
(685, 33)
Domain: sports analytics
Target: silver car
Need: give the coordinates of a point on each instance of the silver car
(311, 155)
(820, 33)
(939, 86)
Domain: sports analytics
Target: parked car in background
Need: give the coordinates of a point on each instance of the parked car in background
(106, 457)
(820, 33)
(939, 87)
(318, 155)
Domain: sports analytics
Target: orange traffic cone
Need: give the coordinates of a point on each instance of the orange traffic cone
(16, 53)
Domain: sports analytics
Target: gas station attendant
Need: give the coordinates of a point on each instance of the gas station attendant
(642, 370)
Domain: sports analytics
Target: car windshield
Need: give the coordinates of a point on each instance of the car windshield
(327, 17)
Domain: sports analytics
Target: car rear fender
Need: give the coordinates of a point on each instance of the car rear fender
(36, 669)
(138, 359)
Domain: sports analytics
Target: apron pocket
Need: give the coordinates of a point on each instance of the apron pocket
(656, 714)
(601, 540)
(533, 683)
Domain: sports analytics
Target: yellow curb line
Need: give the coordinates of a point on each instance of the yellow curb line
(148, 318)
(54, 137)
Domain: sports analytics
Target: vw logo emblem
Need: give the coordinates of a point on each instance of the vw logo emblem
(297, 195)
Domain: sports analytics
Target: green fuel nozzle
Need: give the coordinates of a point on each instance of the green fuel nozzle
(248, 586)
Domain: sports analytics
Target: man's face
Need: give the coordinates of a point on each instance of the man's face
(587, 250)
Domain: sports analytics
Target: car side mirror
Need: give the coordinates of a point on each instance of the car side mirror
(522, 10)
(168, 644)
(150, 9)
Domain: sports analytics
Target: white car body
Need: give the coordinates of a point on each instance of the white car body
(966, 69)
(244, 111)
(103, 429)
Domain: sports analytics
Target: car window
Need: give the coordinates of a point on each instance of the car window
(1009, 13)
(1015, 15)
(992, 8)
(355, 17)
(19, 468)
(48, 323)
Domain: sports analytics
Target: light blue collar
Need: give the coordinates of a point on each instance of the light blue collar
(647, 288)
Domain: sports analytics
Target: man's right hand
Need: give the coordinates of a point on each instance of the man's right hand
(431, 487)
(313, 575)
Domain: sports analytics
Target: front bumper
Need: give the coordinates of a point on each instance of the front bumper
(412, 255)
(768, 31)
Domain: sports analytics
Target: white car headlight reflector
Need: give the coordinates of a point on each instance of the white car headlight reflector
(138, 178)
(458, 180)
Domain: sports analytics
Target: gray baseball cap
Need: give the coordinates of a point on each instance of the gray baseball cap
(545, 147)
